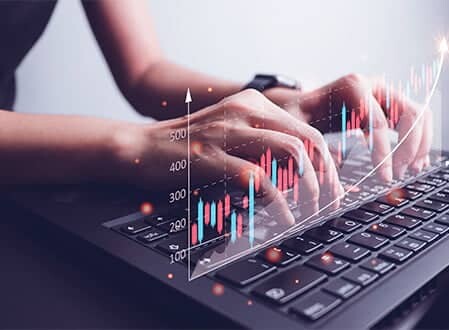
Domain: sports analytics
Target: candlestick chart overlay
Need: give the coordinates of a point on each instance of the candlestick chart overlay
(230, 216)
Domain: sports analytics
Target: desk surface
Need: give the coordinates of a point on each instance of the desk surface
(45, 284)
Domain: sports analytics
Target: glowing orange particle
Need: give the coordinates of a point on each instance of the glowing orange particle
(374, 227)
(296, 281)
(170, 276)
(273, 255)
(146, 208)
(196, 147)
(396, 196)
(164, 103)
(137, 161)
(217, 289)
(210, 89)
(327, 258)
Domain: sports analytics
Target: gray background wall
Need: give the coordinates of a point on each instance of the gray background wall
(315, 41)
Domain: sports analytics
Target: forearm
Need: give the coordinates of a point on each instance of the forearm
(56, 148)
(160, 91)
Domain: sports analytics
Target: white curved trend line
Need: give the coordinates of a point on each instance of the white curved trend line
(300, 226)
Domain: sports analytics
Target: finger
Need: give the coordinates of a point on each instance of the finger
(276, 119)
(259, 112)
(273, 201)
(426, 143)
(213, 166)
(405, 117)
(281, 147)
(410, 130)
(376, 128)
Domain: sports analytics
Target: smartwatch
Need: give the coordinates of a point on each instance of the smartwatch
(262, 82)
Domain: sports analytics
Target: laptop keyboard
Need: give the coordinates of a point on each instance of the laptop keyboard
(310, 274)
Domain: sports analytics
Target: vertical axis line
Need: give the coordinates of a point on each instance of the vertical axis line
(188, 190)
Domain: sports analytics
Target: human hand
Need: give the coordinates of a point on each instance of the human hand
(227, 138)
(322, 108)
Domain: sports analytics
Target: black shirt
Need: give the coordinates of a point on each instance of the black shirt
(21, 25)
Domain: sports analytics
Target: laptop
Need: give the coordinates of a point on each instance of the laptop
(376, 262)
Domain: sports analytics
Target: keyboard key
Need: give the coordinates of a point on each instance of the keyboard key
(440, 197)
(432, 205)
(384, 229)
(348, 201)
(361, 276)
(361, 216)
(418, 213)
(436, 228)
(393, 199)
(278, 256)
(424, 236)
(432, 181)
(444, 219)
(156, 220)
(381, 209)
(420, 187)
(377, 265)
(323, 234)
(302, 245)
(245, 271)
(327, 263)
(440, 175)
(135, 227)
(411, 244)
(315, 306)
(403, 221)
(173, 244)
(202, 257)
(343, 225)
(411, 195)
(349, 251)
(396, 254)
(289, 284)
(151, 235)
(370, 241)
(341, 288)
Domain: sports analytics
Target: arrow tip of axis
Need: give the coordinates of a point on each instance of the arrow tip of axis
(188, 96)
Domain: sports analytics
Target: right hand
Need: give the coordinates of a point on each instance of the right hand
(225, 138)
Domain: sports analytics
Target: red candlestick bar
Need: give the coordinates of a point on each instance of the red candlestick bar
(227, 205)
(245, 202)
(285, 180)
(290, 172)
(207, 213)
(268, 162)
(239, 225)
(257, 181)
(279, 177)
(220, 217)
(194, 234)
